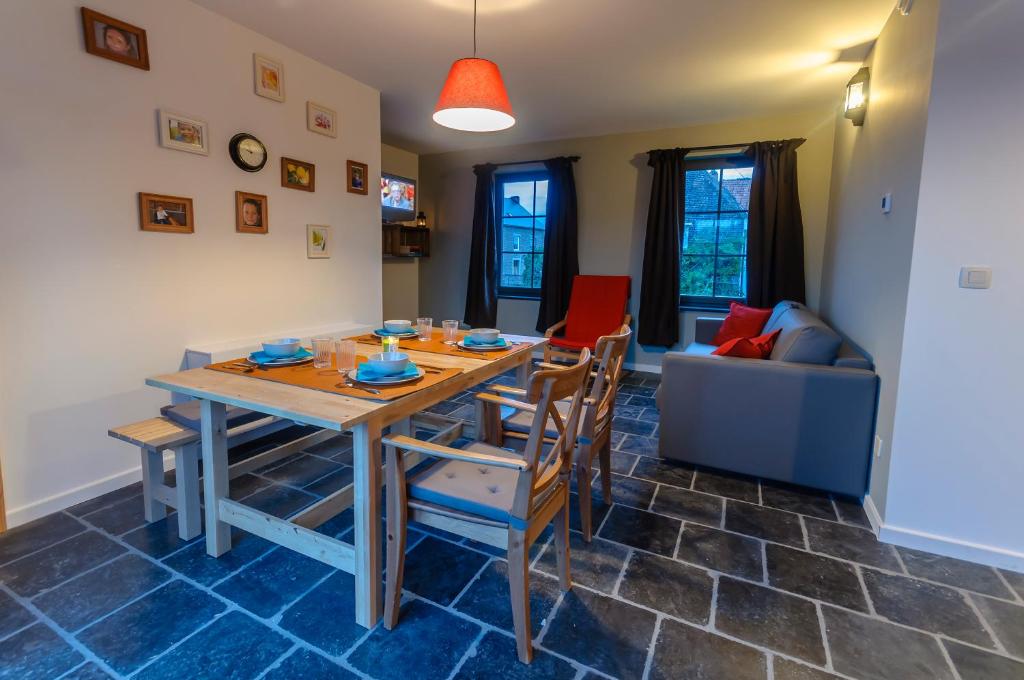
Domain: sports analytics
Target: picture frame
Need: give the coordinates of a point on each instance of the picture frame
(298, 174)
(252, 213)
(184, 133)
(114, 39)
(268, 77)
(160, 212)
(357, 174)
(318, 241)
(321, 119)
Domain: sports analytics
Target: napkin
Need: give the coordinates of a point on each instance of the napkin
(385, 331)
(368, 372)
(470, 341)
(263, 358)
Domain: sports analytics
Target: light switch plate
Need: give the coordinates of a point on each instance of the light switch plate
(975, 277)
(887, 203)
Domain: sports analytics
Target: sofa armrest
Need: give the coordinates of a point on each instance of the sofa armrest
(706, 328)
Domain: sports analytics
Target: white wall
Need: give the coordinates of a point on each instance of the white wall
(89, 304)
(401, 277)
(958, 447)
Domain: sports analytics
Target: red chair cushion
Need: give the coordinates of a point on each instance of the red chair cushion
(749, 348)
(572, 344)
(742, 322)
(596, 307)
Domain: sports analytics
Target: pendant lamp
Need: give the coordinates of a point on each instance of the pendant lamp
(473, 98)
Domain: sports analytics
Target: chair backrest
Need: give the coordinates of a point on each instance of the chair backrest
(597, 306)
(609, 355)
(548, 460)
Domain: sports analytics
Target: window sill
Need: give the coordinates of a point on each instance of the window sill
(516, 296)
(694, 307)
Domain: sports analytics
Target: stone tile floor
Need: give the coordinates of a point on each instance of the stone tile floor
(693, 574)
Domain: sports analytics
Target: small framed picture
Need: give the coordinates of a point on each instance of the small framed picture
(184, 133)
(298, 174)
(166, 213)
(113, 39)
(252, 216)
(268, 76)
(318, 241)
(321, 119)
(356, 177)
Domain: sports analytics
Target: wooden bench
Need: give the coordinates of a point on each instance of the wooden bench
(156, 435)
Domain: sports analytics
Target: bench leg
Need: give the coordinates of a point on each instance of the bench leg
(152, 476)
(186, 476)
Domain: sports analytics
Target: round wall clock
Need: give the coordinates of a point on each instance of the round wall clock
(247, 152)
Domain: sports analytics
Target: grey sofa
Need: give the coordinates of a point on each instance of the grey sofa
(804, 416)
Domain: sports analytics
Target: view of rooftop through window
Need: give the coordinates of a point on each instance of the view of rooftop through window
(713, 248)
(523, 203)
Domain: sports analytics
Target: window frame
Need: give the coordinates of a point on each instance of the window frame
(501, 179)
(706, 302)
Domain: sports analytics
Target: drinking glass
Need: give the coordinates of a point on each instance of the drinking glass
(345, 357)
(451, 329)
(424, 326)
(389, 343)
(322, 352)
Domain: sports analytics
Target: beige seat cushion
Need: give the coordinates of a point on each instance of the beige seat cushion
(522, 421)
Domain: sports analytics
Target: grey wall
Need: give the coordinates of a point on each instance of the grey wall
(868, 254)
(613, 188)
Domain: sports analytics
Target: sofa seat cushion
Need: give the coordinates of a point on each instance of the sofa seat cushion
(700, 349)
(805, 339)
(474, 488)
(187, 414)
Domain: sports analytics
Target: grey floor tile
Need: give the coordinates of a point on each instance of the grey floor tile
(12, 615)
(135, 635)
(953, 572)
(106, 500)
(770, 618)
(797, 499)
(791, 670)
(669, 586)
(1016, 581)
(439, 570)
(87, 671)
(726, 484)
(332, 447)
(603, 633)
(865, 647)
(632, 426)
(850, 543)
(427, 644)
(686, 653)
(641, 529)
(664, 472)
(767, 523)
(233, 646)
(274, 581)
(120, 517)
(595, 565)
(308, 665)
(330, 483)
(36, 653)
(302, 471)
(36, 535)
(722, 551)
(158, 539)
(623, 463)
(689, 505)
(325, 616)
(636, 493)
(51, 566)
(639, 445)
(815, 576)
(1006, 620)
(495, 657)
(488, 598)
(280, 501)
(598, 510)
(851, 511)
(194, 563)
(975, 664)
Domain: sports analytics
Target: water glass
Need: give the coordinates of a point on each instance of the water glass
(424, 326)
(451, 330)
(322, 352)
(345, 356)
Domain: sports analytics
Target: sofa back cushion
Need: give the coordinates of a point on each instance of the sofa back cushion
(804, 338)
(780, 309)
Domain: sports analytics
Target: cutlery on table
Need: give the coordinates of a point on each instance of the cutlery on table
(349, 383)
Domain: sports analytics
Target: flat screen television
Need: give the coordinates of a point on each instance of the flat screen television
(397, 198)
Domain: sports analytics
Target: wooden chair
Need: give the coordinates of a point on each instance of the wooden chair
(597, 306)
(493, 495)
(595, 433)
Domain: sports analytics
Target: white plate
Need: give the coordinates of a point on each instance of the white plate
(485, 348)
(282, 362)
(400, 336)
(386, 380)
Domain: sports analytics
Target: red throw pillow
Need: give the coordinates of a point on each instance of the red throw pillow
(742, 322)
(749, 348)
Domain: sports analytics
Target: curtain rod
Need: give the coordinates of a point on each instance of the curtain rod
(539, 160)
(712, 147)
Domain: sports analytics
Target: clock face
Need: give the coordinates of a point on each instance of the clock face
(247, 152)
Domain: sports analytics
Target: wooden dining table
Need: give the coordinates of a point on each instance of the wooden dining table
(365, 418)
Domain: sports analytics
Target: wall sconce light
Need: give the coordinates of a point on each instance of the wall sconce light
(421, 219)
(856, 104)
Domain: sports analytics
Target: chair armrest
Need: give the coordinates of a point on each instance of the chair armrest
(551, 331)
(704, 333)
(505, 389)
(504, 401)
(410, 444)
(558, 367)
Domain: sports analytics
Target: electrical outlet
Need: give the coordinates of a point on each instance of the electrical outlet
(878, 446)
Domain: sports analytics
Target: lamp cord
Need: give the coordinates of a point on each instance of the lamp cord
(474, 29)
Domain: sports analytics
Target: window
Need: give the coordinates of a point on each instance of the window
(522, 205)
(713, 248)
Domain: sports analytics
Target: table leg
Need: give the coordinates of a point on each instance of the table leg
(523, 371)
(213, 428)
(366, 505)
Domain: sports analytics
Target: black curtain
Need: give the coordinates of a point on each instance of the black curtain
(659, 288)
(775, 233)
(561, 261)
(482, 287)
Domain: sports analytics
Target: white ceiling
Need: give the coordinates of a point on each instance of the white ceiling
(576, 68)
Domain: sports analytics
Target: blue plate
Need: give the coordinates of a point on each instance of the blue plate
(470, 343)
(263, 359)
(384, 333)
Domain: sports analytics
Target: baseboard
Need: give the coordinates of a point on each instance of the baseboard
(643, 368)
(872, 512)
(953, 547)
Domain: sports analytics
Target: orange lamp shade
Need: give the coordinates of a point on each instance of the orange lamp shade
(473, 98)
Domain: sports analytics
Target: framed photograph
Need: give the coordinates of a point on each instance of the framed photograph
(252, 216)
(318, 241)
(298, 174)
(184, 133)
(113, 39)
(268, 76)
(357, 179)
(321, 119)
(166, 213)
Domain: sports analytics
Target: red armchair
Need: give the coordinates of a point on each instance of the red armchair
(597, 306)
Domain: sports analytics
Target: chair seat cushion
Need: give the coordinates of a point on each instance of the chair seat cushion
(522, 421)
(474, 488)
(187, 414)
(573, 344)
